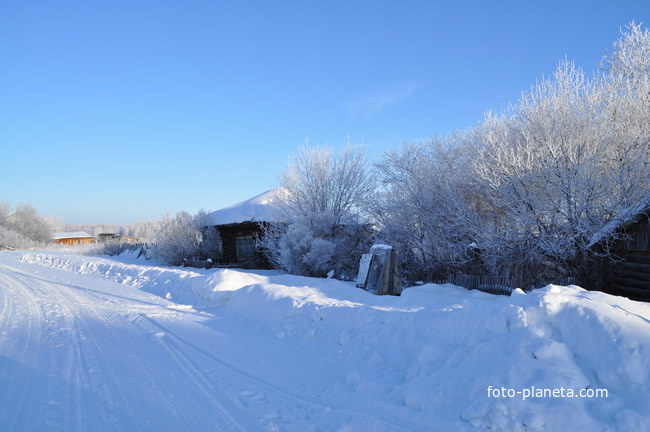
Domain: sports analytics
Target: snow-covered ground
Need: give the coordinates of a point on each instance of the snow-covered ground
(116, 344)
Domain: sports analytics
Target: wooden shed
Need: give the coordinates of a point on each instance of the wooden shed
(630, 277)
(238, 241)
(72, 238)
(240, 225)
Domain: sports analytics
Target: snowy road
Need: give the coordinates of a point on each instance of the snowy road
(89, 360)
(113, 358)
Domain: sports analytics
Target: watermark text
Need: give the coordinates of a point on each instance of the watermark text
(534, 392)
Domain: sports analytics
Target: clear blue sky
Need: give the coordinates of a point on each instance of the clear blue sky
(120, 111)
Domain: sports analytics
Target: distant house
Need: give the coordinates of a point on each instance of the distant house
(11, 217)
(241, 224)
(72, 238)
(631, 276)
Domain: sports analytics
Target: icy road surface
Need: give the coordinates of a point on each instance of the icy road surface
(110, 344)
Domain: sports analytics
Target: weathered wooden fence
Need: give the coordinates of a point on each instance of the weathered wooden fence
(487, 283)
(116, 248)
(501, 285)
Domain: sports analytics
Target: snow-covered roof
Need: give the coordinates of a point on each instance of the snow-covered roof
(74, 234)
(260, 208)
(624, 217)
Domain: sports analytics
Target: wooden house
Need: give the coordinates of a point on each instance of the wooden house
(72, 238)
(240, 225)
(630, 277)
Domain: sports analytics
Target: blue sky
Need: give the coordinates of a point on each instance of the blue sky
(122, 111)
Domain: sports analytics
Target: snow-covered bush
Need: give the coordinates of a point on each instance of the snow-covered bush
(313, 245)
(23, 227)
(324, 198)
(183, 236)
(14, 240)
(211, 246)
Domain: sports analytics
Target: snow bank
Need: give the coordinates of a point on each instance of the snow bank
(170, 282)
(428, 359)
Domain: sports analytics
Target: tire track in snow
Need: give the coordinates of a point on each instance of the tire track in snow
(67, 361)
(109, 382)
(172, 403)
(81, 317)
(70, 331)
(86, 355)
(20, 309)
(222, 404)
(299, 402)
(209, 390)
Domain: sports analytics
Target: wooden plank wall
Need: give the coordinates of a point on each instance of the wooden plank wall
(75, 241)
(229, 234)
(631, 276)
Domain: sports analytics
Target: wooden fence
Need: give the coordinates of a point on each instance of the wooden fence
(501, 285)
(490, 284)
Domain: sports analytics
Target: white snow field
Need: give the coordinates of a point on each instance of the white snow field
(100, 344)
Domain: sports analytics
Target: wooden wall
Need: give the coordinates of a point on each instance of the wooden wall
(234, 233)
(631, 277)
(75, 241)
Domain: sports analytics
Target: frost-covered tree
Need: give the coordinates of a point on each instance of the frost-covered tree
(55, 223)
(531, 188)
(630, 56)
(318, 180)
(323, 199)
(5, 209)
(145, 232)
(570, 156)
(26, 221)
(426, 208)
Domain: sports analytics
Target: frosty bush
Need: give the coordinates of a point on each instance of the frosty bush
(183, 236)
(14, 240)
(424, 206)
(324, 195)
(23, 227)
(313, 245)
(211, 246)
